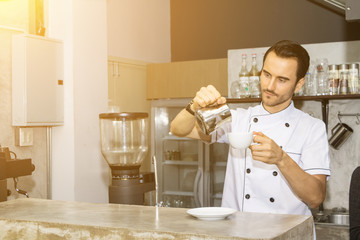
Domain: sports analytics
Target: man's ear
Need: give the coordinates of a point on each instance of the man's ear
(299, 84)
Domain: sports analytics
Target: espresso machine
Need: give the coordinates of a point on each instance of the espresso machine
(124, 145)
(12, 168)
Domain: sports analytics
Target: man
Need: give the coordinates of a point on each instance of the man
(286, 168)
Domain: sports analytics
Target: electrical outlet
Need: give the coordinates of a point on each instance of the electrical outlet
(24, 137)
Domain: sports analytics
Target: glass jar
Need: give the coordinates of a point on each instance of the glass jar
(310, 81)
(344, 78)
(334, 86)
(124, 138)
(235, 89)
(354, 78)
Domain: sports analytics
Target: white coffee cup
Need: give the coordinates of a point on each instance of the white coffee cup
(240, 140)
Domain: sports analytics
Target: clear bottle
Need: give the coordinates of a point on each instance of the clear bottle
(310, 80)
(254, 78)
(334, 86)
(322, 77)
(344, 78)
(244, 78)
(354, 78)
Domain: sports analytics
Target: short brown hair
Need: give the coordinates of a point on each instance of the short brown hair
(290, 49)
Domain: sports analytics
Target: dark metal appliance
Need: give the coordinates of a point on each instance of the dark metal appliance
(12, 168)
(124, 145)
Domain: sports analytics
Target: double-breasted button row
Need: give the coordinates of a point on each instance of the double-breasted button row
(247, 196)
(255, 120)
(248, 171)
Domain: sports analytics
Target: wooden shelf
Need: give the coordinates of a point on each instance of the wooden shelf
(220, 164)
(327, 97)
(324, 99)
(217, 196)
(299, 98)
(178, 193)
(179, 162)
(175, 138)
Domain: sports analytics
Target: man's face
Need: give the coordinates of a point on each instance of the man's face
(278, 82)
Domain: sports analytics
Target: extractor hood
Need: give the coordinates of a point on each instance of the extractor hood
(349, 8)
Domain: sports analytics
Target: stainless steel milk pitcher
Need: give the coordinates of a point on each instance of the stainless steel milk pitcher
(340, 133)
(211, 117)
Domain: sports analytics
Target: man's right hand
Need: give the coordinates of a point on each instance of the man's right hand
(207, 96)
(183, 125)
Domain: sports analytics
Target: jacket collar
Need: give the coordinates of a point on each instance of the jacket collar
(283, 114)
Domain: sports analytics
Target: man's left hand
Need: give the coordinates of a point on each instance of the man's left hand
(266, 150)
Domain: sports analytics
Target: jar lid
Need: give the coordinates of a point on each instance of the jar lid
(123, 115)
(333, 67)
(354, 66)
(344, 66)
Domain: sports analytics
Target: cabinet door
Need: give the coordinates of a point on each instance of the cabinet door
(37, 81)
(184, 79)
(179, 160)
(127, 85)
(44, 81)
(180, 166)
(217, 161)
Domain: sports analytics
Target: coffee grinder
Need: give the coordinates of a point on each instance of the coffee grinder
(124, 145)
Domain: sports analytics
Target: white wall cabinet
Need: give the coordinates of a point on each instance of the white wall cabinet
(37, 81)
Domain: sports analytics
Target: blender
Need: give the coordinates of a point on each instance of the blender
(124, 145)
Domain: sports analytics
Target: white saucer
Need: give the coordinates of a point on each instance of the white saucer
(211, 213)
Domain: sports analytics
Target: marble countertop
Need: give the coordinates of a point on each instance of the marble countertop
(50, 219)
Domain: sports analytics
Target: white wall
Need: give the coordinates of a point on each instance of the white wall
(139, 29)
(78, 170)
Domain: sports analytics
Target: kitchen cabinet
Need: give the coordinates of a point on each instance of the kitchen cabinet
(127, 82)
(37, 81)
(179, 165)
(331, 232)
(184, 79)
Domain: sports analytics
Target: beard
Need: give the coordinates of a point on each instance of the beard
(275, 99)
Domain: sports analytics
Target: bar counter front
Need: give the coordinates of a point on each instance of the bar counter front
(51, 219)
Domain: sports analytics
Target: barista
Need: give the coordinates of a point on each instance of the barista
(286, 170)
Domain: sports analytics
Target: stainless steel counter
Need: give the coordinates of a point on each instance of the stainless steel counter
(50, 219)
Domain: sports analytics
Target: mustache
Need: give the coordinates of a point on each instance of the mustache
(270, 91)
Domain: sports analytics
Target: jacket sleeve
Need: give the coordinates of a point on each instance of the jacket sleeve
(354, 205)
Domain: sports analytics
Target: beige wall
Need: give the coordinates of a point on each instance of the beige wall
(139, 30)
(206, 29)
(14, 20)
(138, 33)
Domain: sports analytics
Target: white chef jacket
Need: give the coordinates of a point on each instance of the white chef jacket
(254, 186)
